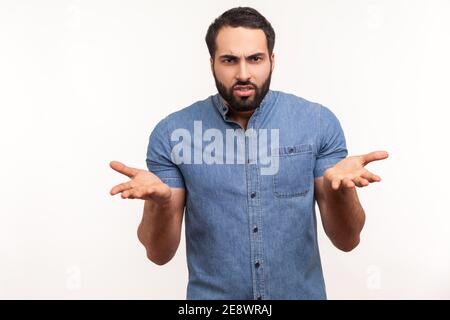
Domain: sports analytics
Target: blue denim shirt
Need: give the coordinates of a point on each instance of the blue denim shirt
(249, 234)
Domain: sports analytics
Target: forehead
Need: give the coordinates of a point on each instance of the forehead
(240, 41)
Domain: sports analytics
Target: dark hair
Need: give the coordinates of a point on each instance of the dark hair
(240, 17)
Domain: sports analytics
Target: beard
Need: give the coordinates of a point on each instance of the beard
(243, 104)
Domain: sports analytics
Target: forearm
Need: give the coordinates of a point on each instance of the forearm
(159, 231)
(343, 218)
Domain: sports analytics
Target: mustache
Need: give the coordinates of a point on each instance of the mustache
(247, 83)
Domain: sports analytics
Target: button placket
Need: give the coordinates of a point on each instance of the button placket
(255, 214)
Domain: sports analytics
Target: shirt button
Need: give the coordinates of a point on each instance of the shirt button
(259, 298)
(257, 264)
(255, 229)
(252, 195)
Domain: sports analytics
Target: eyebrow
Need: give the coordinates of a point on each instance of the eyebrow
(230, 56)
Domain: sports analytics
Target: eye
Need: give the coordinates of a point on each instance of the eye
(256, 59)
(228, 60)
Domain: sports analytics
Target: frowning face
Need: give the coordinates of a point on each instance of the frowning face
(242, 67)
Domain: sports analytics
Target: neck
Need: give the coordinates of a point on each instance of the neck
(241, 118)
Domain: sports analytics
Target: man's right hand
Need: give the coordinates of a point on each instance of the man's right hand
(143, 185)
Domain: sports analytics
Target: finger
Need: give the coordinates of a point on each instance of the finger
(120, 167)
(335, 183)
(137, 193)
(127, 194)
(369, 176)
(361, 182)
(121, 187)
(374, 156)
(347, 183)
(134, 193)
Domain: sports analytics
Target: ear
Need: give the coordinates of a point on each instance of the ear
(272, 58)
(211, 61)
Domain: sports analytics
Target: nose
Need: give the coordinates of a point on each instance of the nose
(243, 73)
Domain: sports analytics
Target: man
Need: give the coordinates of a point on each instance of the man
(249, 200)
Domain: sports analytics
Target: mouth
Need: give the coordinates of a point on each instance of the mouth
(243, 91)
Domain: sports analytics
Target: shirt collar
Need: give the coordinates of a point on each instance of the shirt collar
(223, 108)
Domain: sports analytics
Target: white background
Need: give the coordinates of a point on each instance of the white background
(85, 82)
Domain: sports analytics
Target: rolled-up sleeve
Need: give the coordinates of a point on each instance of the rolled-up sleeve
(159, 160)
(331, 145)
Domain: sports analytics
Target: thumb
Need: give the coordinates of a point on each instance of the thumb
(123, 169)
(374, 156)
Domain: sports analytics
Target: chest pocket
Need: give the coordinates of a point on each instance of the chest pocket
(294, 175)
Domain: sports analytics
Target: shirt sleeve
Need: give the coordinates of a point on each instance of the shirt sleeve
(159, 160)
(331, 146)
